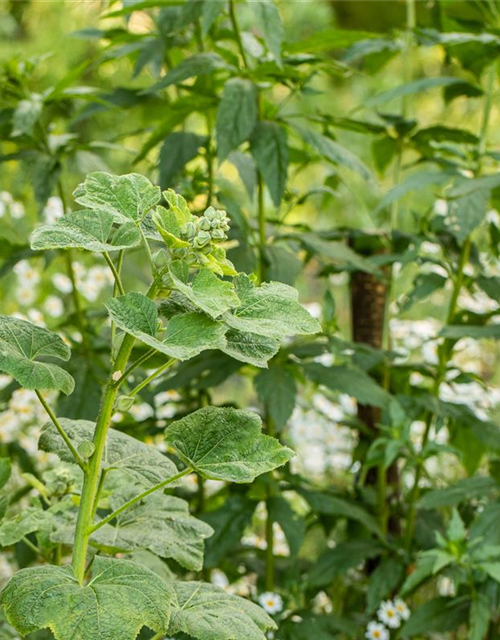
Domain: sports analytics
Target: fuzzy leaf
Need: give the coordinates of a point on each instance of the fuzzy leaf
(143, 463)
(226, 444)
(236, 116)
(127, 197)
(89, 230)
(250, 347)
(160, 523)
(20, 343)
(207, 612)
(121, 598)
(186, 335)
(27, 521)
(269, 22)
(207, 292)
(270, 150)
(271, 310)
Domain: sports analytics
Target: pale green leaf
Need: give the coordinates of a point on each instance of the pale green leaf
(142, 462)
(207, 292)
(271, 310)
(178, 205)
(270, 150)
(197, 65)
(20, 343)
(411, 88)
(467, 212)
(127, 197)
(269, 23)
(160, 523)
(186, 334)
(226, 444)
(207, 612)
(250, 347)
(236, 115)
(120, 599)
(89, 230)
(14, 529)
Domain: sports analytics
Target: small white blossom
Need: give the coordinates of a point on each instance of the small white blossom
(271, 602)
(376, 631)
(62, 283)
(54, 306)
(53, 209)
(17, 210)
(388, 614)
(402, 609)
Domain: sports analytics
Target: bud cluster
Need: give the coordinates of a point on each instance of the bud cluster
(209, 228)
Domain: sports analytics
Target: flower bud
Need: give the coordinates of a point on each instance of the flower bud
(204, 224)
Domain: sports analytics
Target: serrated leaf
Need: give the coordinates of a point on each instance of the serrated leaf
(271, 310)
(276, 388)
(88, 230)
(177, 150)
(236, 115)
(462, 491)
(383, 581)
(178, 205)
(20, 343)
(187, 334)
(269, 22)
(250, 347)
(120, 599)
(467, 212)
(207, 612)
(269, 148)
(126, 198)
(142, 462)
(437, 615)
(207, 292)
(5, 470)
(28, 521)
(226, 444)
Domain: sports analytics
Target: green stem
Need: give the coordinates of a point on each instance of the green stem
(270, 559)
(158, 636)
(134, 365)
(78, 459)
(91, 481)
(148, 252)
(115, 273)
(154, 375)
(115, 292)
(100, 487)
(237, 33)
(32, 546)
(138, 498)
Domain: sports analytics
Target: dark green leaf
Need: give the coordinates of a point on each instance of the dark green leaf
(270, 149)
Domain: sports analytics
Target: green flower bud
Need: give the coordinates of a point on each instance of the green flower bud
(218, 235)
(188, 230)
(204, 224)
(210, 214)
(202, 239)
(86, 448)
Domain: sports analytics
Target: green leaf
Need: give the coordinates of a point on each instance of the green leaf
(458, 331)
(270, 150)
(120, 599)
(177, 150)
(354, 382)
(437, 615)
(269, 23)
(236, 115)
(207, 612)
(28, 521)
(89, 230)
(486, 524)
(207, 291)
(383, 581)
(26, 115)
(186, 335)
(414, 182)
(335, 152)
(479, 617)
(142, 462)
(250, 347)
(276, 388)
(410, 88)
(293, 525)
(462, 491)
(198, 65)
(226, 444)
(126, 198)
(160, 523)
(271, 310)
(338, 252)
(492, 569)
(5, 470)
(335, 562)
(424, 569)
(20, 343)
(467, 213)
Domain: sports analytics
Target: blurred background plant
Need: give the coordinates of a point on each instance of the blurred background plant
(354, 146)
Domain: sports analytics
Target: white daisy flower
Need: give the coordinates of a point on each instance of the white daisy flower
(54, 306)
(271, 602)
(376, 631)
(17, 210)
(25, 296)
(53, 209)
(388, 614)
(402, 609)
(62, 283)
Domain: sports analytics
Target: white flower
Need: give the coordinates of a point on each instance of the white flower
(219, 578)
(26, 274)
(25, 296)
(53, 209)
(36, 317)
(271, 602)
(17, 210)
(441, 207)
(54, 306)
(141, 411)
(314, 309)
(388, 614)
(62, 283)
(376, 631)
(6, 197)
(402, 609)
(2, 209)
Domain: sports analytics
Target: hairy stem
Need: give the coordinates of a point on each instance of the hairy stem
(138, 498)
(115, 273)
(78, 459)
(134, 365)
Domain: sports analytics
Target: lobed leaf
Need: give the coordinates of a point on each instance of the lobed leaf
(207, 612)
(142, 462)
(20, 343)
(226, 444)
(88, 230)
(120, 599)
(126, 198)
